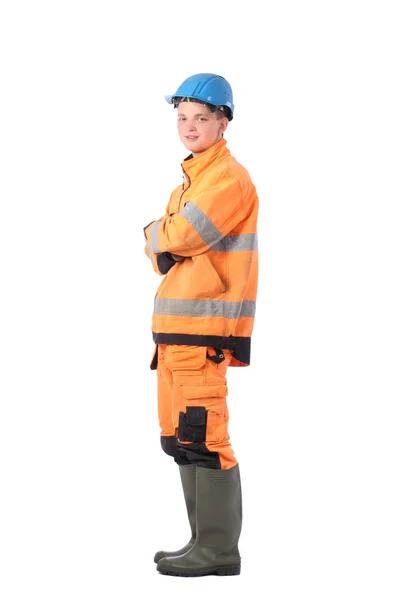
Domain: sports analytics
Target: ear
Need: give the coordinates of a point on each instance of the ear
(223, 125)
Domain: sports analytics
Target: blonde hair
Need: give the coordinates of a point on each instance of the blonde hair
(220, 111)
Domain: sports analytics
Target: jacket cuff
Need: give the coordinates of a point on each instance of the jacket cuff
(165, 262)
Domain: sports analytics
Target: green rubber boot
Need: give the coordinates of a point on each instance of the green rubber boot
(188, 478)
(218, 523)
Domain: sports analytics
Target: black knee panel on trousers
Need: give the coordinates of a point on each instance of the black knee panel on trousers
(168, 444)
(170, 447)
(198, 454)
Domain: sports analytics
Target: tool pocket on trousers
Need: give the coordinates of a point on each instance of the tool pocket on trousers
(213, 400)
(185, 358)
(192, 424)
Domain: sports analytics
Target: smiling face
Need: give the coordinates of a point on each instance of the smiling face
(198, 127)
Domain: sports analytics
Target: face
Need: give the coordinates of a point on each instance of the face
(198, 127)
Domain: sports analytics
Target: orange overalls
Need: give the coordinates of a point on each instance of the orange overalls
(192, 408)
(205, 304)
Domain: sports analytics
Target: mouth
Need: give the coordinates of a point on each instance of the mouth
(192, 138)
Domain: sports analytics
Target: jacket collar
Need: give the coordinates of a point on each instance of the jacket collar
(195, 166)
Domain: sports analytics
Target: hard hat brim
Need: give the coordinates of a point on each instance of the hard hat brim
(169, 99)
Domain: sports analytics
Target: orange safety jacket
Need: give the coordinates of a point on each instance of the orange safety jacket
(209, 298)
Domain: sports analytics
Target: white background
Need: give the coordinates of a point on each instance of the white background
(89, 155)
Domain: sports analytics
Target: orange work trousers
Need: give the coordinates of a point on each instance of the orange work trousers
(192, 408)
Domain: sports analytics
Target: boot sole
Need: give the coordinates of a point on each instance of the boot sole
(234, 570)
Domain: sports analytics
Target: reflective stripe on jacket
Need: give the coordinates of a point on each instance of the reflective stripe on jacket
(209, 298)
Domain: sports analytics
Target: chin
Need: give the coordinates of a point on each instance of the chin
(194, 146)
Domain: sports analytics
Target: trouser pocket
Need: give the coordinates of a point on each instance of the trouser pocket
(206, 413)
(185, 358)
(192, 424)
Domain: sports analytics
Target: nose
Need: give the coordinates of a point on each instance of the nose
(191, 126)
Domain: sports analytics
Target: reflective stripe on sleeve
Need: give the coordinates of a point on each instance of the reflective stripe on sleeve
(202, 224)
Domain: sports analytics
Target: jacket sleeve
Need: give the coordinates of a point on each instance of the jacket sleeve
(202, 223)
(163, 262)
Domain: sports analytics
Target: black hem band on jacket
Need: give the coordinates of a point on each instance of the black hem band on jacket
(240, 346)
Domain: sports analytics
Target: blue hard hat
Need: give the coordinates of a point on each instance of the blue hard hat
(208, 88)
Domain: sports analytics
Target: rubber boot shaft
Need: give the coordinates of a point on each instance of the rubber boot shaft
(188, 479)
(218, 524)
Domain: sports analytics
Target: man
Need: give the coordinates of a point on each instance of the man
(206, 246)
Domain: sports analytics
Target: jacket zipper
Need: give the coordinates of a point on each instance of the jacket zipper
(183, 187)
